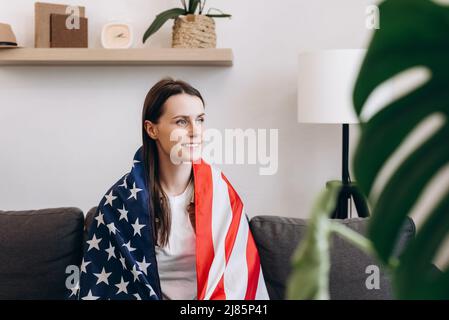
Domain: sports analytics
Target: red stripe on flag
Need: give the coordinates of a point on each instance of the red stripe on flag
(203, 212)
(253, 261)
(236, 211)
(219, 292)
(237, 207)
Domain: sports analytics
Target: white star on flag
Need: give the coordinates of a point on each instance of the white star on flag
(103, 276)
(90, 296)
(93, 243)
(109, 198)
(137, 296)
(136, 226)
(123, 214)
(128, 245)
(122, 260)
(122, 286)
(152, 293)
(75, 289)
(99, 219)
(84, 264)
(134, 192)
(112, 228)
(110, 251)
(135, 273)
(143, 265)
(124, 183)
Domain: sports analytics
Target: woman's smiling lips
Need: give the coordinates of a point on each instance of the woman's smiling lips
(191, 145)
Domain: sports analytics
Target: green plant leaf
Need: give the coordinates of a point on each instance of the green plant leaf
(413, 33)
(353, 237)
(160, 20)
(184, 5)
(360, 201)
(416, 278)
(193, 5)
(218, 15)
(311, 260)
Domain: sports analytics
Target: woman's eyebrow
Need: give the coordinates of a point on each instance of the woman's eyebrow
(180, 116)
(186, 116)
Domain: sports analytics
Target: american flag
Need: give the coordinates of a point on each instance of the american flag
(120, 261)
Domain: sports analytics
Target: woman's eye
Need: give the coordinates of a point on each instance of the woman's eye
(181, 122)
(201, 120)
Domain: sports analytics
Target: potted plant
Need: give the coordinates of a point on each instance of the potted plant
(192, 28)
(408, 26)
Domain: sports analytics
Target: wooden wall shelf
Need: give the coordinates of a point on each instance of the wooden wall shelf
(88, 56)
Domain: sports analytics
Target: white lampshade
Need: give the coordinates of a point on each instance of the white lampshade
(325, 85)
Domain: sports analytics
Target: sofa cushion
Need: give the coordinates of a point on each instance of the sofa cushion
(277, 238)
(36, 246)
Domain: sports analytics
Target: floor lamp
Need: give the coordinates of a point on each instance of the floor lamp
(325, 85)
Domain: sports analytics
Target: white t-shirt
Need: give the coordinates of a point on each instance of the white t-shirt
(177, 260)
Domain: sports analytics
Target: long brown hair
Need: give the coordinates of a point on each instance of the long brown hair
(153, 109)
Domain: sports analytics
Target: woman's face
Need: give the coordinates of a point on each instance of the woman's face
(179, 131)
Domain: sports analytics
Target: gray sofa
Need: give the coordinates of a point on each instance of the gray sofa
(36, 246)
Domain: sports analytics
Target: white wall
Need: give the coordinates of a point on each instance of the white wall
(68, 133)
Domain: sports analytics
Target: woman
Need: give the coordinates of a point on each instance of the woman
(173, 227)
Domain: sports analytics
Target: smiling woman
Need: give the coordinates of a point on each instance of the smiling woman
(171, 229)
(171, 108)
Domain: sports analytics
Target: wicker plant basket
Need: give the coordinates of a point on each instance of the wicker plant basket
(194, 31)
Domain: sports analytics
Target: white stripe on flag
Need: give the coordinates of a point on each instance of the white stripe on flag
(236, 273)
(261, 293)
(221, 220)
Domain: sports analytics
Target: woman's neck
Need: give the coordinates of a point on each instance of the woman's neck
(174, 178)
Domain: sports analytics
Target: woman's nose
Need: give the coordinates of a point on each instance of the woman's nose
(195, 129)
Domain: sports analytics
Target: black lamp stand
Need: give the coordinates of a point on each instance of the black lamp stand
(349, 189)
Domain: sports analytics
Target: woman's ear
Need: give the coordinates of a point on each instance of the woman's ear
(151, 129)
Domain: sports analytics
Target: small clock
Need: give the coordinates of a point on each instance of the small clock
(117, 35)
